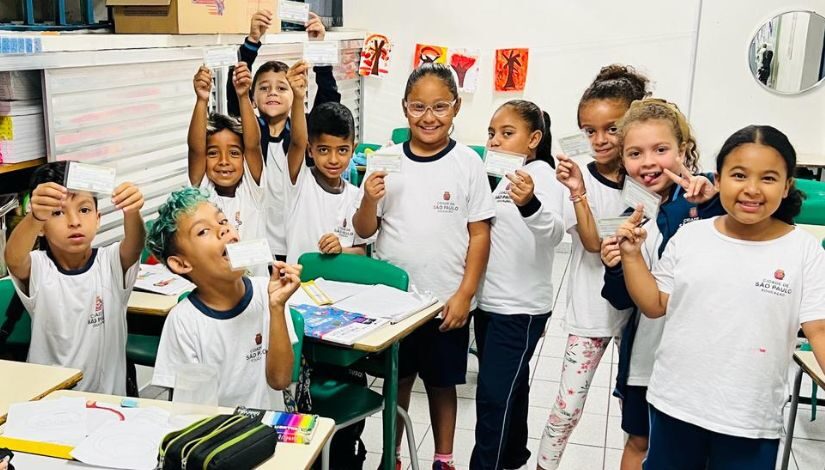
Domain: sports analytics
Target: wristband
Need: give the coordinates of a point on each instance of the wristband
(35, 217)
(578, 198)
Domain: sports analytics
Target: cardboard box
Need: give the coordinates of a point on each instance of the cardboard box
(188, 16)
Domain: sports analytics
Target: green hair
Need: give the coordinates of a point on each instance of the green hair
(161, 237)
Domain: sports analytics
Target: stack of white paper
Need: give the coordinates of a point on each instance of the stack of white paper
(380, 301)
(20, 85)
(22, 135)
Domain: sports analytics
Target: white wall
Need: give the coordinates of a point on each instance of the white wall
(727, 98)
(568, 41)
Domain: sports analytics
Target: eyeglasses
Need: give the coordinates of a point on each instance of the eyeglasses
(417, 109)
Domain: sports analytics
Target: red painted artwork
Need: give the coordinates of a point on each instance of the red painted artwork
(375, 56)
(465, 65)
(511, 69)
(426, 53)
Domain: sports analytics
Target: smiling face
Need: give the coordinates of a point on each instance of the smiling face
(224, 159)
(72, 229)
(598, 118)
(273, 95)
(650, 147)
(332, 155)
(429, 129)
(753, 181)
(508, 132)
(200, 245)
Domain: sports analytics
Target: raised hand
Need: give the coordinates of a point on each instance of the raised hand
(47, 198)
(521, 187)
(631, 235)
(315, 28)
(570, 175)
(203, 83)
(698, 189)
(242, 79)
(297, 78)
(261, 21)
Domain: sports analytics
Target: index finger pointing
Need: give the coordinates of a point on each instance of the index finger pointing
(638, 214)
(683, 182)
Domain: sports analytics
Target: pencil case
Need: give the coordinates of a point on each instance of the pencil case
(221, 442)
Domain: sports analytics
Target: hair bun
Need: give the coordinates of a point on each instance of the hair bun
(624, 72)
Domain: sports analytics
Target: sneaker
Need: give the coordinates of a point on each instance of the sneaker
(439, 465)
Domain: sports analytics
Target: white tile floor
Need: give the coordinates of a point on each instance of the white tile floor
(597, 441)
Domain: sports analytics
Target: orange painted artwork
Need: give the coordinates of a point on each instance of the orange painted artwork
(427, 53)
(375, 56)
(511, 69)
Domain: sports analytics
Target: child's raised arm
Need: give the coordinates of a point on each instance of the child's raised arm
(366, 221)
(640, 282)
(197, 126)
(251, 131)
(569, 174)
(128, 198)
(327, 91)
(299, 137)
(248, 52)
(47, 198)
(284, 281)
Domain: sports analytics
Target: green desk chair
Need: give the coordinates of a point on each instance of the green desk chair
(479, 149)
(813, 206)
(21, 332)
(328, 395)
(143, 349)
(297, 348)
(402, 134)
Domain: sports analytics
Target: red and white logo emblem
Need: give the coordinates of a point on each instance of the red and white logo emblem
(694, 212)
(258, 339)
(447, 195)
(779, 274)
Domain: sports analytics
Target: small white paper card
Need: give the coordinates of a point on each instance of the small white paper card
(96, 179)
(389, 162)
(250, 253)
(502, 163)
(294, 12)
(321, 52)
(634, 193)
(575, 145)
(608, 227)
(217, 57)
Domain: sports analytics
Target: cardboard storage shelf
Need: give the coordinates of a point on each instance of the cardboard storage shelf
(187, 16)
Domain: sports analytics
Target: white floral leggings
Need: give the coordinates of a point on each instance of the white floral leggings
(581, 358)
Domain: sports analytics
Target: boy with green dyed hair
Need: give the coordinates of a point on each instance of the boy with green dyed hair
(237, 324)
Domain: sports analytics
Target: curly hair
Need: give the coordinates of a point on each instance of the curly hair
(655, 109)
(616, 82)
(161, 237)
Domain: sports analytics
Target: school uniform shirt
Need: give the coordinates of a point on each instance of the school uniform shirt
(425, 212)
(79, 316)
(523, 239)
(731, 326)
(316, 209)
(587, 313)
(244, 210)
(277, 179)
(234, 341)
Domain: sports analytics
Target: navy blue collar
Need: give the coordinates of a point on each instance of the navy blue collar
(224, 314)
(591, 167)
(416, 158)
(72, 272)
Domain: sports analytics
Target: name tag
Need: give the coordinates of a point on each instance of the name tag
(575, 145)
(217, 57)
(634, 193)
(321, 52)
(294, 12)
(249, 253)
(502, 163)
(608, 227)
(387, 161)
(96, 179)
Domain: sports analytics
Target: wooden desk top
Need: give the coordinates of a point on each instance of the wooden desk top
(23, 381)
(147, 303)
(807, 362)
(287, 456)
(383, 337)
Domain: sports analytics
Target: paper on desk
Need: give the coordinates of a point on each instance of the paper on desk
(575, 145)
(321, 52)
(156, 278)
(294, 12)
(634, 193)
(96, 179)
(60, 421)
(249, 253)
(335, 290)
(502, 163)
(380, 301)
(388, 161)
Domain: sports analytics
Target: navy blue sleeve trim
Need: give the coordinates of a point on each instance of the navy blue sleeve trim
(614, 289)
(327, 86)
(248, 53)
(532, 206)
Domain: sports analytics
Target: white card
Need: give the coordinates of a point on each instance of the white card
(92, 178)
(608, 227)
(321, 52)
(502, 163)
(220, 57)
(575, 145)
(389, 162)
(634, 193)
(294, 12)
(250, 253)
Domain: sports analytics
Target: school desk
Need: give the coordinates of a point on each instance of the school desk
(808, 365)
(22, 381)
(287, 456)
(147, 303)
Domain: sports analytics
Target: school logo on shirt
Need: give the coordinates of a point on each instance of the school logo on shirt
(446, 195)
(238, 221)
(256, 353)
(96, 318)
(503, 196)
(776, 286)
(258, 339)
(446, 206)
(345, 234)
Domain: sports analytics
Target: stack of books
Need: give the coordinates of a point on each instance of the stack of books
(336, 325)
(22, 131)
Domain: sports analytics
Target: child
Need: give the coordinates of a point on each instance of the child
(732, 314)
(274, 98)
(657, 146)
(434, 223)
(76, 294)
(516, 295)
(595, 193)
(237, 324)
(320, 201)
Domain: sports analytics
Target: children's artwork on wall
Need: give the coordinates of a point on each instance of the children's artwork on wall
(426, 53)
(375, 55)
(511, 69)
(464, 63)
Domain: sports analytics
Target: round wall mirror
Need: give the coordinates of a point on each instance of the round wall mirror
(787, 53)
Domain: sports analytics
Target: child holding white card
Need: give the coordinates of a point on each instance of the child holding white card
(237, 324)
(272, 95)
(732, 314)
(515, 297)
(433, 221)
(594, 193)
(659, 152)
(76, 294)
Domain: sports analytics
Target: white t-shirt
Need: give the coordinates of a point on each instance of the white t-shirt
(425, 212)
(315, 211)
(79, 317)
(235, 341)
(245, 210)
(734, 310)
(520, 271)
(277, 179)
(588, 314)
